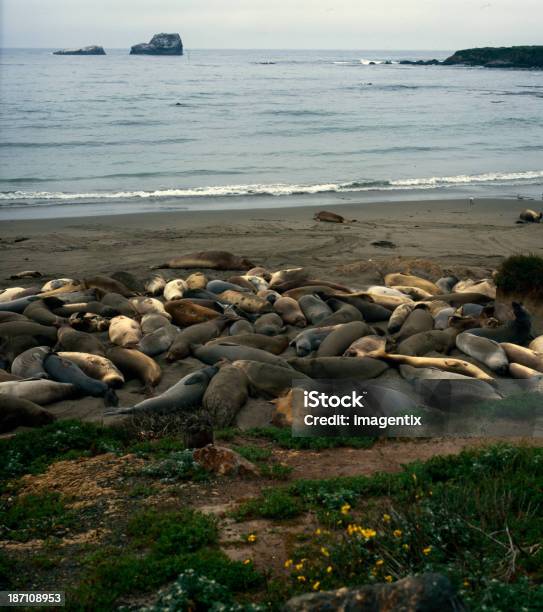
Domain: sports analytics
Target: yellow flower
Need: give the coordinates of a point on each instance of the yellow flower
(368, 533)
(414, 477)
(317, 531)
(388, 578)
(251, 537)
(386, 518)
(466, 583)
(379, 562)
(247, 562)
(397, 533)
(427, 550)
(373, 572)
(288, 563)
(345, 509)
(299, 566)
(316, 585)
(324, 551)
(405, 546)
(329, 569)
(301, 578)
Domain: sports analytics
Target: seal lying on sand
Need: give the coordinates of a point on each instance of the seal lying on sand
(195, 334)
(530, 216)
(339, 367)
(212, 260)
(185, 394)
(135, 364)
(518, 331)
(484, 350)
(79, 342)
(16, 412)
(517, 354)
(212, 353)
(446, 364)
(226, 394)
(269, 380)
(290, 311)
(97, 367)
(271, 344)
(41, 392)
(337, 342)
(330, 217)
(29, 363)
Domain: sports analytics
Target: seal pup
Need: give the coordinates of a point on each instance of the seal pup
(483, 350)
(151, 322)
(186, 313)
(241, 327)
(218, 286)
(135, 364)
(56, 283)
(88, 322)
(197, 281)
(328, 217)
(124, 331)
(40, 313)
(398, 317)
(119, 303)
(29, 364)
(342, 313)
(290, 311)
(341, 338)
(175, 289)
(432, 341)
(518, 354)
(195, 334)
(283, 280)
(314, 308)
(226, 395)
(408, 280)
(370, 311)
(260, 271)
(96, 366)
(65, 371)
(79, 342)
(16, 412)
(269, 294)
(212, 260)
(268, 380)
(185, 394)
(270, 324)
(517, 331)
(339, 367)
(258, 283)
(40, 392)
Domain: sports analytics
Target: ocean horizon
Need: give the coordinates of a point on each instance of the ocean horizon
(252, 128)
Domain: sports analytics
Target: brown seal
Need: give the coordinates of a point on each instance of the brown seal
(530, 216)
(186, 313)
(79, 342)
(329, 217)
(134, 364)
(226, 395)
(290, 311)
(212, 260)
(16, 412)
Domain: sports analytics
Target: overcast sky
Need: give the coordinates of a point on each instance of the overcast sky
(286, 24)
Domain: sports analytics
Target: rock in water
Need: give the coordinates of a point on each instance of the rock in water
(161, 44)
(499, 57)
(91, 50)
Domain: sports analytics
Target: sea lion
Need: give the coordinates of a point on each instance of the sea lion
(272, 344)
(155, 285)
(241, 327)
(134, 364)
(40, 313)
(158, 341)
(43, 333)
(290, 311)
(40, 392)
(124, 331)
(79, 342)
(342, 337)
(65, 371)
(530, 216)
(484, 350)
(16, 412)
(151, 322)
(97, 367)
(19, 304)
(212, 260)
(175, 289)
(270, 324)
(328, 217)
(524, 356)
(246, 301)
(518, 370)
(149, 305)
(6, 316)
(314, 308)
(418, 320)
(339, 367)
(517, 331)
(446, 283)
(447, 364)
(213, 353)
(185, 313)
(185, 394)
(537, 344)
(225, 395)
(283, 280)
(120, 303)
(432, 341)
(195, 334)
(310, 339)
(367, 346)
(106, 284)
(408, 280)
(398, 317)
(343, 313)
(269, 380)
(88, 322)
(29, 364)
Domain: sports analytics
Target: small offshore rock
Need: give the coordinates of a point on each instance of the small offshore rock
(90, 50)
(160, 44)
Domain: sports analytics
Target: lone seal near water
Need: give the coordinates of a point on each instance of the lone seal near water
(212, 260)
(330, 217)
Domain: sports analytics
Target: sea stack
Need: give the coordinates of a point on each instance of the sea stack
(499, 57)
(161, 44)
(91, 50)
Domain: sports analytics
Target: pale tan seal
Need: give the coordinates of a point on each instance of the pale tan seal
(155, 285)
(530, 216)
(246, 301)
(283, 280)
(175, 289)
(409, 280)
(524, 356)
(518, 370)
(484, 350)
(149, 305)
(537, 344)
(197, 281)
(185, 313)
(290, 311)
(447, 364)
(328, 217)
(124, 332)
(213, 260)
(96, 366)
(134, 364)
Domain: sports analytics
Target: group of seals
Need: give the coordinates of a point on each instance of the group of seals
(256, 333)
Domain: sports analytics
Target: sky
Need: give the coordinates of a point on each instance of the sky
(274, 24)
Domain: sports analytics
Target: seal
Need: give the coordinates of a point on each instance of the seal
(7, 377)
(371, 312)
(79, 342)
(19, 304)
(151, 322)
(268, 380)
(391, 302)
(433, 341)
(97, 367)
(530, 216)
(336, 343)
(185, 394)
(12, 347)
(460, 298)
(537, 344)
(175, 289)
(158, 341)
(106, 284)
(269, 294)
(367, 346)
(43, 333)
(134, 364)
(447, 364)
(413, 292)
(328, 217)
(517, 331)
(518, 370)
(315, 310)
(310, 339)
(283, 280)
(124, 331)
(517, 354)
(483, 350)
(149, 305)
(407, 280)
(241, 327)
(399, 315)
(260, 271)
(38, 311)
(29, 364)
(197, 281)
(155, 285)
(343, 313)
(446, 283)
(119, 303)
(56, 283)
(41, 392)
(257, 282)
(226, 395)
(196, 334)
(185, 313)
(16, 412)
(290, 311)
(450, 395)
(246, 301)
(339, 367)
(270, 324)
(6, 316)
(88, 322)
(486, 287)
(213, 353)
(212, 260)
(129, 280)
(418, 320)
(92, 307)
(219, 286)
(271, 344)
(65, 371)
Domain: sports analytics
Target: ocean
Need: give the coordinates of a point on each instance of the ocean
(246, 129)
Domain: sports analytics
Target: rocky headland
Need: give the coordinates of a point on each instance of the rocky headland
(528, 57)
